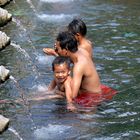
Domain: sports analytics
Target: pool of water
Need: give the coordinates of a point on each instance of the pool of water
(114, 28)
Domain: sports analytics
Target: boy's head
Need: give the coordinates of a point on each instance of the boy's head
(66, 41)
(61, 60)
(61, 68)
(77, 26)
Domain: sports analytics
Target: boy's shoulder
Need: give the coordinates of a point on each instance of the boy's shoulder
(89, 43)
(68, 81)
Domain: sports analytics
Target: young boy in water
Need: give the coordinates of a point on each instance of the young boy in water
(60, 86)
(78, 28)
(62, 81)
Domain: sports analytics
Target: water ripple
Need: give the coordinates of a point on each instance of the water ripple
(126, 114)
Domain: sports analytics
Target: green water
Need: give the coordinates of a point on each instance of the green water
(114, 28)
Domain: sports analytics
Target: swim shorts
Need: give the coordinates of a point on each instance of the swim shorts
(92, 99)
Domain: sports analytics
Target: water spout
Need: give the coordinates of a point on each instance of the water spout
(31, 5)
(23, 51)
(12, 78)
(11, 129)
(18, 47)
(24, 100)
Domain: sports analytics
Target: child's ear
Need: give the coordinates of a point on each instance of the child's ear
(69, 72)
(77, 34)
(66, 52)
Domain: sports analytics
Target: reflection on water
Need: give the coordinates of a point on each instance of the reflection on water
(113, 26)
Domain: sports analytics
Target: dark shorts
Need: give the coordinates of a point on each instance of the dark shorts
(91, 99)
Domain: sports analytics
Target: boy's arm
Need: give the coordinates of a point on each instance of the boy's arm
(52, 85)
(50, 51)
(77, 79)
(68, 92)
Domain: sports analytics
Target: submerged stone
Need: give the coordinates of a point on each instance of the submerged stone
(4, 73)
(4, 16)
(4, 40)
(3, 2)
(3, 123)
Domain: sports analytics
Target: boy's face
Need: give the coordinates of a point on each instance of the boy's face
(61, 52)
(61, 72)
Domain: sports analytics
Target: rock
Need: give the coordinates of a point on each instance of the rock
(4, 73)
(4, 16)
(3, 2)
(4, 40)
(3, 123)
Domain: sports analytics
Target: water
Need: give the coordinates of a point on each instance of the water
(114, 27)
(15, 133)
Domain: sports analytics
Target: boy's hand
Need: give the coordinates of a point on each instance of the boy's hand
(71, 107)
(50, 51)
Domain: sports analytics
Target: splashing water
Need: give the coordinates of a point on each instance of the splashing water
(21, 50)
(19, 24)
(52, 131)
(45, 59)
(31, 5)
(24, 99)
(12, 78)
(11, 129)
(18, 47)
(56, 18)
(40, 88)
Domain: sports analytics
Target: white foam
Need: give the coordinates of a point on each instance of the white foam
(56, 17)
(45, 59)
(18, 47)
(51, 132)
(40, 88)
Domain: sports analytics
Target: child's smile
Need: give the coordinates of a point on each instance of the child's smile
(61, 72)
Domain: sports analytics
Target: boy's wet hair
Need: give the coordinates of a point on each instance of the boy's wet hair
(77, 26)
(61, 60)
(67, 41)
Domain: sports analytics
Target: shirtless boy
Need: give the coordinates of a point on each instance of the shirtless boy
(85, 76)
(62, 81)
(60, 86)
(79, 29)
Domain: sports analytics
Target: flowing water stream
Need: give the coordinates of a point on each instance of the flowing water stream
(114, 28)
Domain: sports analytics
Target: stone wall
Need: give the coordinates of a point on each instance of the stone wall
(5, 17)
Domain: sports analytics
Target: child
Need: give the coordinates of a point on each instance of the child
(79, 29)
(62, 80)
(60, 86)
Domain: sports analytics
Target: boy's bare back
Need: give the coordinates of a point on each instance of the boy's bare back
(84, 70)
(86, 45)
